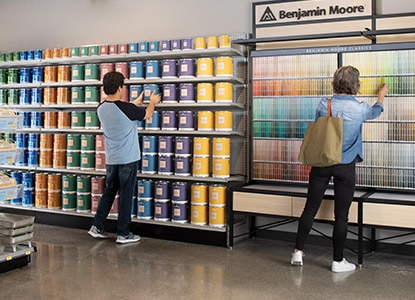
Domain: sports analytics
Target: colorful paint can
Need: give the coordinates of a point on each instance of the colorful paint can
(179, 191)
(169, 68)
(77, 119)
(54, 199)
(187, 44)
(223, 121)
(50, 74)
(165, 145)
(123, 69)
(162, 210)
(135, 91)
(199, 214)
(182, 146)
(28, 198)
(152, 69)
(148, 90)
(49, 95)
(150, 144)
(83, 184)
(91, 120)
(182, 166)
(99, 143)
(41, 181)
(87, 142)
(84, 50)
(41, 198)
(75, 52)
(83, 202)
(73, 159)
(186, 68)
(64, 73)
(168, 120)
(201, 147)
(45, 158)
(59, 141)
(205, 67)
(91, 72)
(25, 75)
(122, 48)
(154, 46)
(145, 209)
(87, 160)
(113, 49)
(100, 161)
(25, 96)
(200, 43)
(63, 95)
(149, 164)
(103, 49)
(77, 94)
(221, 147)
(199, 194)
(68, 201)
(200, 166)
(153, 123)
(69, 183)
(36, 119)
(220, 167)
(78, 72)
(137, 70)
(145, 188)
(94, 50)
(224, 92)
(176, 45)
(37, 74)
(59, 159)
(187, 92)
(33, 157)
(143, 46)
(179, 211)
(217, 216)
(212, 42)
(169, 93)
(205, 121)
(162, 190)
(105, 68)
(205, 92)
(186, 120)
(224, 66)
(217, 194)
(64, 119)
(133, 48)
(165, 165)
(91, 94)
(224, 41)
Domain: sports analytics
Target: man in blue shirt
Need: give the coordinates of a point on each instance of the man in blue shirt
(344, 105)
(119, 124)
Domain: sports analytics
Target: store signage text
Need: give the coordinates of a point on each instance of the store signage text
(333, 10)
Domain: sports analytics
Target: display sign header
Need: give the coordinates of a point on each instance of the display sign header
(273, 13)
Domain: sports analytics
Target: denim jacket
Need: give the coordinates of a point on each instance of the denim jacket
(354, 113)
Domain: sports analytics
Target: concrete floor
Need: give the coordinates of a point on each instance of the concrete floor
(69, 264)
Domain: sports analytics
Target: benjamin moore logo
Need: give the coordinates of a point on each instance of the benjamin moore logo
(268, 15)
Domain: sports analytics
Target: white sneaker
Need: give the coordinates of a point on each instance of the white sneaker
(130, 238)
(297, 258)
(342, 266)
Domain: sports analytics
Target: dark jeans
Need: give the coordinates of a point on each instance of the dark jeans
(122, 178)
(344, 177)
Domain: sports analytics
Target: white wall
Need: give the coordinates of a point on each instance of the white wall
(32, 24)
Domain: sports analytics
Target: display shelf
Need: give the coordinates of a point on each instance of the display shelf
(230, 51)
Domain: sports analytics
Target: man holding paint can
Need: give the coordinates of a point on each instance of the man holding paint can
(119, 124)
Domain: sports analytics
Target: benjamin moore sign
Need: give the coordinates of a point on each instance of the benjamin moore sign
(272, 13)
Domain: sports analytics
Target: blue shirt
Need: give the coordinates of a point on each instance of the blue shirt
(354, 113)
(119, 124)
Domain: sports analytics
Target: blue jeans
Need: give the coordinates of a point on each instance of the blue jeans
(344, 177)
(122, 178)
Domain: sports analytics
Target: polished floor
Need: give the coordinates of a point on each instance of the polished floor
(69, 264)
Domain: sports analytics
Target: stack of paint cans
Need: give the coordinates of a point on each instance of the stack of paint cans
(201, 157)
(100, 157)
(217, 205)
(87, 152)
(21, 143)
(17, 176)
(97, 189)
(73, 151)
(33, 150)
(162, 201)
(54, 191)
(145, 199)
(149, 155)
(46, 150)
(83, 193)
(179, 202)
(183, 153)
(69, 195)
(50, 95)
(41, 190)
(59, 151)
(221, 154)
(199, 204)
(28, 182)
(166, 155)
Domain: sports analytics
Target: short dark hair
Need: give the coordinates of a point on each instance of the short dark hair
(346, 81)
(112, 81)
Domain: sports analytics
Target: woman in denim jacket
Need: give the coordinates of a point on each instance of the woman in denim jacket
(346, 84)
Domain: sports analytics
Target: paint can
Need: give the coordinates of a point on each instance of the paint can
(221, 147)
(201, 147)
(169, 93)
(84, 50)
(59, 141)
(168, 68)
(37, 74)
(176, 45)
(148, 90)
(123, 69)
(68, 201)
(77, 94)
(165, 165)
(133, 48)
(137, 70)
(91, 94)
(154, 46)
(113, 49)
(205, 67)
(186, 120)
(205, 92)
(179, 191)
(83, 202)
(212, 42)
(182, 166)
(41, 198)
(217, 216)
(224, 92)
(50, 74)
(220, 167)
(64, 119)
(223, 121)
(33, 141)
(105, 68)
(122, 48)
(145, 188)
(200, 43)
(33, 157)
(25, 75)
(200, 166)
(182, 146)
(25, 96)
(143, 46)
(74, 52)
(165, 45)
(64, 73)
(224, 66)
(73, 159)
(153, 123)
(165, 145)
(91, 72)
(149, 164)
(187, 44)
(145, 209)
(59, 159)
(150, 145)
(28, 198)
(217, 194)
(87, 160)
(135, 91)
(187, 93)
(224, 41)
(100, 161)
(78, 72)
(77, 119)
(45, 158)
(99, 143)
(168, 120)
(162, 190)
(186, 68)
(94, 50)
(87, 142)
(199, 214)
(199, 194)
(68, 183)
(179, 211)
(152, 69)
(37, 119)
(83, 184)
(63, 95)
(205, 121)
(162, 210)
(91, 120)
